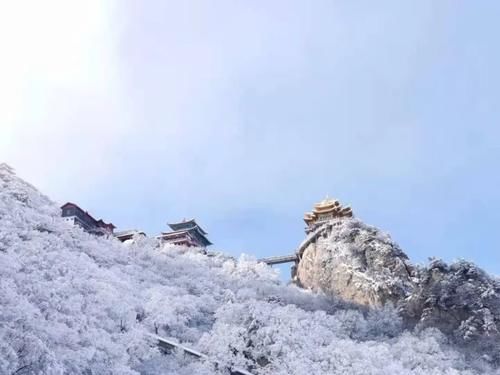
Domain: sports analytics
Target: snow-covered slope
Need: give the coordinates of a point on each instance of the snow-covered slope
(361, 264)
(71, 303)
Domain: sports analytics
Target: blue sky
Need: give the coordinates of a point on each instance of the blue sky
(243, 114)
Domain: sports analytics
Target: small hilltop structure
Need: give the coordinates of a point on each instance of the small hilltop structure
(186, 233)
(324, 215)
(326, 210)
(129, 235)
(73, 214)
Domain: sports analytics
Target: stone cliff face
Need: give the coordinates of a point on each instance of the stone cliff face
(357, 262)
(360, 264)
(459, 299)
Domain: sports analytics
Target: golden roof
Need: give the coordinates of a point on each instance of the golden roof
(325, 207)
(327, 202)
(309, 216)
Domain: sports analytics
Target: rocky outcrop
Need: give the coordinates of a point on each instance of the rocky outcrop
(361, 264)
(357, 262)
(459, 299)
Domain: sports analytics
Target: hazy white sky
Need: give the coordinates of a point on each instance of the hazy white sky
(243, 114)
(60, 93)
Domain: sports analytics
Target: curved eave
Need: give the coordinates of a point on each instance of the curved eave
(324, 208)
(322, 212)
(184, 225)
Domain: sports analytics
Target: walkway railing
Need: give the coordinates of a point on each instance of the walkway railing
(168, 344)
(279, 259)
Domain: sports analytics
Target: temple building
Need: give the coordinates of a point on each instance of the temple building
(327, 209)
(128, 235)
(186, 233)
(76, 216)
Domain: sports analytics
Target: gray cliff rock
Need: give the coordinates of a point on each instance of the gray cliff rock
(460, 299)
(360, 264)
(356, 262)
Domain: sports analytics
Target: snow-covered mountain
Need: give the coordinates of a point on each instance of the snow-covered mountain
(361, 264)
(72, 303)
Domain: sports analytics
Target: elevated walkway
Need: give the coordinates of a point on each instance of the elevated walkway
(280, 259)
(295, 257)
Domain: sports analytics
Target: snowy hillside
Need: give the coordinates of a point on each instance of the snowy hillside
(71, 303)
(361, 264)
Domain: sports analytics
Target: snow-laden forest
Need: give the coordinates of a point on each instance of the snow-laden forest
(72, 303)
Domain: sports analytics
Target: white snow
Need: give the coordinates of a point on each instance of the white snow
(72, 303)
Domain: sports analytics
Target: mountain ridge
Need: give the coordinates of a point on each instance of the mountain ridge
(75, 303)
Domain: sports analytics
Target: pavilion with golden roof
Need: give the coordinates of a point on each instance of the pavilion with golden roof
(325, 210)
